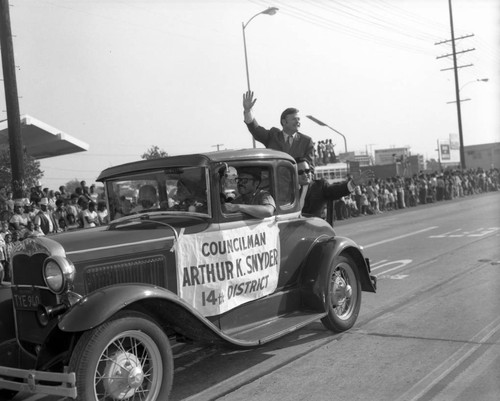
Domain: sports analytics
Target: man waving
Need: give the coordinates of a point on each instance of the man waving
(288, 139)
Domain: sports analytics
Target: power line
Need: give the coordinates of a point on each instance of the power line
(334, 25)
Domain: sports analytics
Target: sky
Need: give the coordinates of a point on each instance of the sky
(126, 75)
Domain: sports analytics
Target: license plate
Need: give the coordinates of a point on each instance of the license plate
(26, 298)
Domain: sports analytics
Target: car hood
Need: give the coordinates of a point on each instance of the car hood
(125, 238)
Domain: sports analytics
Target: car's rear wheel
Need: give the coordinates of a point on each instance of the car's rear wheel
(343, 294)
(126, 358)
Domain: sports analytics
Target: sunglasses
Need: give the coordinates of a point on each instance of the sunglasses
(243, 180)
(306, 171)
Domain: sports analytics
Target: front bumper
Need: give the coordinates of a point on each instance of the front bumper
(61, 384)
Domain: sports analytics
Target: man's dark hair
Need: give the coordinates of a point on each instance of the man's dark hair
(304, 160)
(290, 110)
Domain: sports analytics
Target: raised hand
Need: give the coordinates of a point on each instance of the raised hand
(248, 101)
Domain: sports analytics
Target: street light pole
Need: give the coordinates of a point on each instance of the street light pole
(325, 125)
(267, 11)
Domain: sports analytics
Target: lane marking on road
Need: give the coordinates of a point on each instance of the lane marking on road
(400, 237)
(397, 277)
(399, 264)
(478, 232)
(444, 369)
(485, 232)
(445, 234)
(373, 264)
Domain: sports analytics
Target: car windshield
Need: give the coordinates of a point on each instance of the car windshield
(176, 190)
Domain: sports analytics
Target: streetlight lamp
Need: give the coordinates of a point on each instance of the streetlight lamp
(467, 83)
(325, 125)
(268, 11)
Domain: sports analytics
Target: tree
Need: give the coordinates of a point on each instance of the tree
(72, 185)
(154, 152)
(433, 165)
(32, 172)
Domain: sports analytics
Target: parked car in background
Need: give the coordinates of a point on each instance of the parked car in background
(96, 310)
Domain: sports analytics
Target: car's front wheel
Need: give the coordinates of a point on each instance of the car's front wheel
(126, 358)
(343, 296)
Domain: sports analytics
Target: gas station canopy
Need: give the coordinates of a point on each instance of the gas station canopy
(41, 140)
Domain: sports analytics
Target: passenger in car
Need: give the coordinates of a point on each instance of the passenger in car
(320, 191)
(251, 200)
(147, 199)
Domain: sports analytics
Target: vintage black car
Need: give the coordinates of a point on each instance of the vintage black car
(96, 310)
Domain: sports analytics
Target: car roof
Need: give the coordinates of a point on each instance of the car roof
(195, 159)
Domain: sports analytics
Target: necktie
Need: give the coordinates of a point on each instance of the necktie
(288, 143)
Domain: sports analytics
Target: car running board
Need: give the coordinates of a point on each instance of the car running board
(275, 328)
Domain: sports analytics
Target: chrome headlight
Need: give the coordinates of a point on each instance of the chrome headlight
(58, 274)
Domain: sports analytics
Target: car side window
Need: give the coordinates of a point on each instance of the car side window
(286, 190)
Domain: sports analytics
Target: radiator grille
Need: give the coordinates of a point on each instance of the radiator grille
(28, 269)
(149, 270)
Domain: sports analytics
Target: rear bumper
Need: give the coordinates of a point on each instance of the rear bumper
(61, 384)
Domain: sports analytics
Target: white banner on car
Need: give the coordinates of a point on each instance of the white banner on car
(218, 271)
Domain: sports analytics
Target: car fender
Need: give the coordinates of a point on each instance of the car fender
(163, 305)
(100, 305)
(315, 272)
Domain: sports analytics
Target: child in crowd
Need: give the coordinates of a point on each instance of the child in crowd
(102, 213)
(72, 223)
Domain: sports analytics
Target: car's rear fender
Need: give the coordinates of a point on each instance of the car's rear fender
(315, 271)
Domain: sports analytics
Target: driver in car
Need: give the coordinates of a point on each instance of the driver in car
(251, 200)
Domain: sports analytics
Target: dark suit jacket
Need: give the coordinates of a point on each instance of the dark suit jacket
(274, 139)
(319, 192)
(44, 223)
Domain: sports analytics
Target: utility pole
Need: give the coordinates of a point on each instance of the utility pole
(12, 101)
(457, 88)
(217, 146)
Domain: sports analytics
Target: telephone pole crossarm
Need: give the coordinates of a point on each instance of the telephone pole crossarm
(449, 40)
(458, 66)
(460, 52)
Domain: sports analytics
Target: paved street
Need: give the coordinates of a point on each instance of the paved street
(432, 332)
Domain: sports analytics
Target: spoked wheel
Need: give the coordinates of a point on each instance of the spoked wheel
(343, 295)
(126, 358)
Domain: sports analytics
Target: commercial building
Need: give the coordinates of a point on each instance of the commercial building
(485, 156)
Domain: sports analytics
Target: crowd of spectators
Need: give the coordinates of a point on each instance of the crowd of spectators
(384, 195)
(44, 212)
